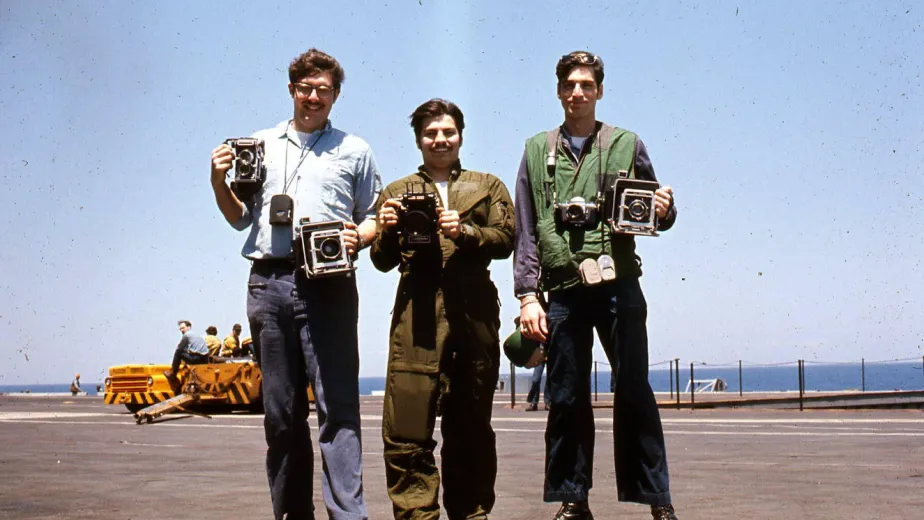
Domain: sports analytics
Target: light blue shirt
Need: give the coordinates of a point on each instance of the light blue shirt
(332, 176)
(193, 343)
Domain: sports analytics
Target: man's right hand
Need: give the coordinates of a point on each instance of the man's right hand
(532, 320)
(222, 160)
(387, 216)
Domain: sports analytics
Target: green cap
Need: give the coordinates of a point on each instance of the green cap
(519, 349)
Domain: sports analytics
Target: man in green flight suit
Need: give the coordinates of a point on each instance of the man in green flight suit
(444, 350)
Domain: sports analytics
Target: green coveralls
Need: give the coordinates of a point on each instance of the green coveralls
(444, 352)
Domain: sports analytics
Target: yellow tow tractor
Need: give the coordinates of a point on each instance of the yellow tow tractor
(233, 383)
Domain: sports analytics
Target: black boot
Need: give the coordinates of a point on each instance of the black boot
(663, 512)
(574, 511)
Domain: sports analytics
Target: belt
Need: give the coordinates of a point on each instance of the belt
(274, 263)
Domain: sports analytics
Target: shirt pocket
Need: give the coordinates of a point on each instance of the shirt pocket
(336, 184)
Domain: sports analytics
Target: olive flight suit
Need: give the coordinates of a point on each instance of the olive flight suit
(444, 351)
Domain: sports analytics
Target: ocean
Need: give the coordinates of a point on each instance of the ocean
(879, 376)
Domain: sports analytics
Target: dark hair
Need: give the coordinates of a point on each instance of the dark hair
(433, 108)
(578, 59)
(236, 327)
(211, 330)
(314, 62)
(187, 322)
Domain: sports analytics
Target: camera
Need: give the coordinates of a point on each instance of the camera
(417, 218)
(319, 249)
(577, 213)
(249, 170)
(630, 207)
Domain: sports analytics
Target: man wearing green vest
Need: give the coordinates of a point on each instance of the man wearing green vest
(551, 253)
(444, 350)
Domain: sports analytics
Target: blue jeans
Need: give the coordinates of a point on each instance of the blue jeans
(618, 312)
(307, 331)
(535, 385)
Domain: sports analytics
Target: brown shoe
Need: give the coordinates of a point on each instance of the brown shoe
(663, 512)
(574, 511)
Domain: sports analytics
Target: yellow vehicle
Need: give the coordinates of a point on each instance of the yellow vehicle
(232, 383)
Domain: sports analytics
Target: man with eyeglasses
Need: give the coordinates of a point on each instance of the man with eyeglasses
(557, 166)
(305, 330)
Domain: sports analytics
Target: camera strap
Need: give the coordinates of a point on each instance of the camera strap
(551, 141)
(601, 137)
(286, 181)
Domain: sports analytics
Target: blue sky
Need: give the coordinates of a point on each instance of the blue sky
(791, 132)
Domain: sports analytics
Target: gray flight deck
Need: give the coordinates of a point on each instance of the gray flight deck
(64, 457)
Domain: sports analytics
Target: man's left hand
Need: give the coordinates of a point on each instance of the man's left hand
(449, 223)
(350, 237)
(664, 198)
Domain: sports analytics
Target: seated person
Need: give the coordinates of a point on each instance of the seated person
(247, 349)
(75, 385)
(191, 349)
(232, 344)
(212, 341)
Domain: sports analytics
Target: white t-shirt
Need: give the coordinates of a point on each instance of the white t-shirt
(577, 144)
(443, 188)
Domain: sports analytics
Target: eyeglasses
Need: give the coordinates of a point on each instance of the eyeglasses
(304, 90)
(579, 59)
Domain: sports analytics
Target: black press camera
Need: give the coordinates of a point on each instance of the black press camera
(629, 205)
(319, 249)
(249, 170)
(417, 220)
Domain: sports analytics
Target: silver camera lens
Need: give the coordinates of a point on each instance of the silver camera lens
(330, 248)
(638, 209)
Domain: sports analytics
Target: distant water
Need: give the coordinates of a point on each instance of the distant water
(90, 389)
(847, 376)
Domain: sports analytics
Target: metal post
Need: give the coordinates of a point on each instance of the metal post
(801, 387)
(862, 374)
(740, 381)
(513, 386)
(677, 379)
(595, 380)
(670, 375)
(692, 387)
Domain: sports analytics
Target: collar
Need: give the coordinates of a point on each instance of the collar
(453, 173)
(592, 138)
(287, 129)
(597, 126)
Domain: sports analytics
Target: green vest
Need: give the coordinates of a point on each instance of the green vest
(561, 249)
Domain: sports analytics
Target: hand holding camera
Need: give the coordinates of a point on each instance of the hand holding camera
(249, 170)
(664, 199)
(350, 238)
(387, 217)
(449, 223)
(222, 160)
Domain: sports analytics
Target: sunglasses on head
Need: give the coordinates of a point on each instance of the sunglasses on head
(580, 59)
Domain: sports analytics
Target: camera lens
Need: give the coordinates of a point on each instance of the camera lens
(575, 212)
(638, 209)
(416, 222)
(330, 248)
(245, 156)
